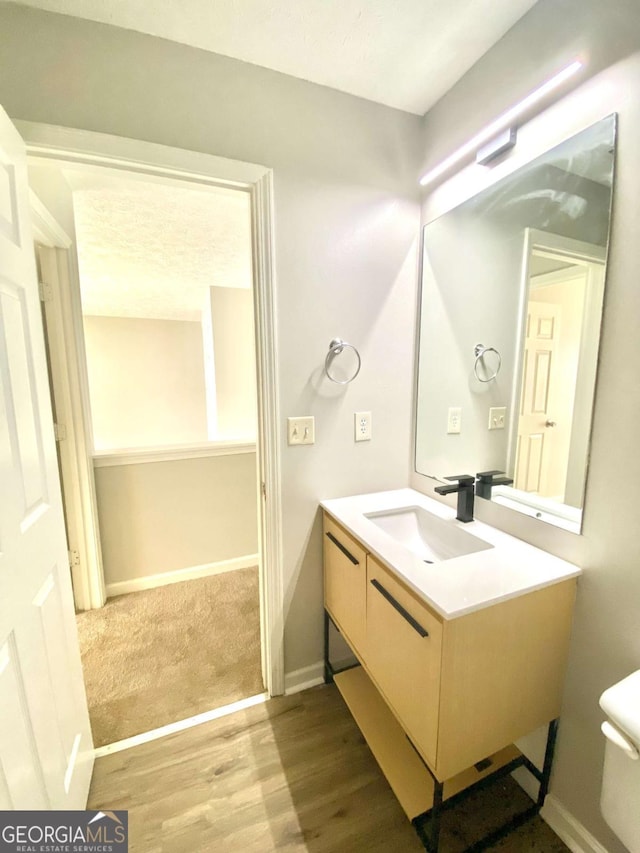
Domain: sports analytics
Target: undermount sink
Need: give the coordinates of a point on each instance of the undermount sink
(431, 538)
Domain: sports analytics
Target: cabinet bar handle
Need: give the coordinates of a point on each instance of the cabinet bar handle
(405, 615)
(339, 545)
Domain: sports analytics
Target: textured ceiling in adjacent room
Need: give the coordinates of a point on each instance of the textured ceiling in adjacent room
(153, 250)
(403, 53)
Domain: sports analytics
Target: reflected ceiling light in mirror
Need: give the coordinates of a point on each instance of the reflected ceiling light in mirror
(504, 121)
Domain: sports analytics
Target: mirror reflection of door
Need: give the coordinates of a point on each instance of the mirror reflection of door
(533, 471)
(558, 368)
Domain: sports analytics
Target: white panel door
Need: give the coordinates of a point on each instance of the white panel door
(536, 424)
(46, 752)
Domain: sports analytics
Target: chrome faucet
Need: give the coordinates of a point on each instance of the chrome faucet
(463, 485)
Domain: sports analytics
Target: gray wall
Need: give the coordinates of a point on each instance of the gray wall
(176, 514)
(234, 361)
(146, 381)
(606, 640)
(472, 273)
(347, 216)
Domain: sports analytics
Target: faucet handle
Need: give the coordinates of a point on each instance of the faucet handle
(463, 479)
(487, 480)
(462, 484)
(488, 477)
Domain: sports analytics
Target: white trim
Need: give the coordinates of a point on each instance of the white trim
(73, 146)
(270, 489)
(557, 246)
(140, 455)
(560, 820)
(179, 575)
(568, 828)
(303, 679)
(158, 162)
(46, 230)
(59, 270)
(71, 765)
(181, 725)
(549, 279)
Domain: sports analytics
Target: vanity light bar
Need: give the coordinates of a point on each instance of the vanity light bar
(505, 120)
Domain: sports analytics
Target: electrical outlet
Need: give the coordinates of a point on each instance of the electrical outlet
(362, 424)
(454, 421)
(301, 430)
(497, 417)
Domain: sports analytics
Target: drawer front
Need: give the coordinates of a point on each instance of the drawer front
(345, 582)
(404, 647)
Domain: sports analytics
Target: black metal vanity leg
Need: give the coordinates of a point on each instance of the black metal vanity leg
(436, 815)
(328, 672)
(548, 761)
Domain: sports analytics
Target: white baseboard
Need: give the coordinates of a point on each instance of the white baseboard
(303, 679)
(188, 574)
(568, 828)
(562, 822)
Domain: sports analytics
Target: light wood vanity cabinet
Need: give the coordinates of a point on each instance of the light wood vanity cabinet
(462, 689)
(404, 649)
(502, 674)
(345, 581)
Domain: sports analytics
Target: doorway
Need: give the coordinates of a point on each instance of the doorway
(562, 303)
(268, 509)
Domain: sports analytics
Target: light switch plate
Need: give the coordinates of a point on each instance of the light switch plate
(301, 430)
(362, 426)
(497, 417)
(454, 420)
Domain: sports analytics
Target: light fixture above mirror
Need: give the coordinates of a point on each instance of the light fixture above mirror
(503, 122)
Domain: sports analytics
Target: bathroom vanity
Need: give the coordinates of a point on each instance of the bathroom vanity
(461, 633)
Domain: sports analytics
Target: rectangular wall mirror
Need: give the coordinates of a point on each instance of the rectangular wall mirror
(511, 307)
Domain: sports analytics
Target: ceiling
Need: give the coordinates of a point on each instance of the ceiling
(153, 250)
(402, 53)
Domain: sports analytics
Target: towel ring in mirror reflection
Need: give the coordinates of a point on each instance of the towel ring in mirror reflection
(336, 347)
(479, 351)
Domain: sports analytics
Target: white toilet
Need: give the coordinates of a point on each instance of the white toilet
(620, 800)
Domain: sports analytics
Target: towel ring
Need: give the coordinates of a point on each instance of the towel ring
(479, 351)
(337, 346)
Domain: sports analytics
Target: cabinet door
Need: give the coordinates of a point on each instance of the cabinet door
(404, 644)
(345, 581)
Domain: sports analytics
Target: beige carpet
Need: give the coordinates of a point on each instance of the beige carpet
(161, 655)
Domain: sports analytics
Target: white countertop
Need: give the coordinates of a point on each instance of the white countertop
(458, 585)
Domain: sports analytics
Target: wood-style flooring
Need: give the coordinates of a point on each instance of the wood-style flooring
(293, 774)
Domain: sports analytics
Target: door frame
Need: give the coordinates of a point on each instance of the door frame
(58, 274)
(59, 145)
